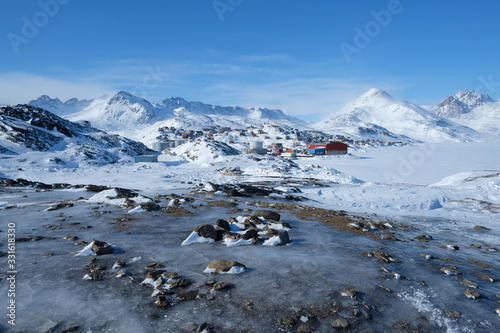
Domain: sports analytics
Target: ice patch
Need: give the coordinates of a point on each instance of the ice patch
(108, 197)
(236, 242)
(273, 241)
(137, 209)
(233, 270)
(421, 302)
(194, 238)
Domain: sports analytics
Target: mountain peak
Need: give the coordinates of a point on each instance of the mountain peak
(376, 93)
(472, 98)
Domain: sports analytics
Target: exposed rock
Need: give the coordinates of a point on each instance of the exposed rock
(223, 225)
(267, 214)
(205, 328)
(305, 328)
(484, 276)
(449, 270)
(60, 205)
(218, 286)
(390, 237)
(472, 294)
(224, 265)
(251, 233)
(452, 314)
(348, 292)
(366, 314)
(288, 321)
(162, 302)
(155, 265)
(424, 238)
(384, 257)
(340, 323)
(469, 283)
(122, 273)
(480, 227)
(123, 193)
(71, 238)
(479, 263)
(284, 237)
(452, 246)
(154, 274)
(119, 264)
(170, 275)
(94, 276)
(101, 248)
(179, 283)
(150, 206)
(206, 230)
(427, 256)
(336, 307)
(96, 188)
(385, 288)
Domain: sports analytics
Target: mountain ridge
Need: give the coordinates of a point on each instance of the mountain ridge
(374, 115)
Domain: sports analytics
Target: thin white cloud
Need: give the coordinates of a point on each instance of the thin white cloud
(19, 88)
(315, 99)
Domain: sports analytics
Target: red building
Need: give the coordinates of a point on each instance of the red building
(331, 148)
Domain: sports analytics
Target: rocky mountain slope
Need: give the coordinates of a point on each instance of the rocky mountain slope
(469, 108)
(25, 129)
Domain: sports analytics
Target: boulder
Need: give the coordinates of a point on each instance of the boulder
(150, 206)
(224, 265)
(101, 248)
(162, 302)
(267, 214)
(251, 233)
(223, 225)
(206, 230)
(284, 237)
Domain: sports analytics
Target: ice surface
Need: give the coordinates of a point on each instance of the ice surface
(280, 280)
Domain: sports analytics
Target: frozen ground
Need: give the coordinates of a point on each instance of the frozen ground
(444, 191)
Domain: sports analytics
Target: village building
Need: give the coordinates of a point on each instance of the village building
(331, 148)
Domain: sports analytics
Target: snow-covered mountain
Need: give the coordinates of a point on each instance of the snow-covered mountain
(469, 108)
(26, 129)
(379, 116)
(58, 107)
(126, 113)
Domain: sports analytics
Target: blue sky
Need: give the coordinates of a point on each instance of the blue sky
(306, 57)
